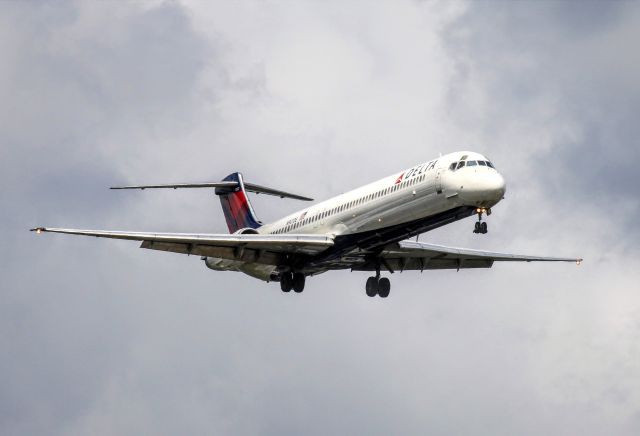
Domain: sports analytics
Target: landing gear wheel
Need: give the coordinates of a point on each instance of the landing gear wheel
(384, 287)
(477, 227)
(483, 227)
(372, 286)
(286, 282)
(298, 282)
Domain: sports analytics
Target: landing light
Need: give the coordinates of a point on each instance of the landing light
(578, 262)
(38, 231)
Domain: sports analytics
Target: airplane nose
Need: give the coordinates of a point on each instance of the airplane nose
(499, 186)
(484, 189)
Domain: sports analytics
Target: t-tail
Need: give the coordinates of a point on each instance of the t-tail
(236, 205)
(232, 191)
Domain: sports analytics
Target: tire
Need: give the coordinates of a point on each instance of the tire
(483, 227)
(372, 286)
(286, 282)
(298, 282)
(384, 287)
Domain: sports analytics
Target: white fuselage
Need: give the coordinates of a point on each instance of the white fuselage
(418, 192)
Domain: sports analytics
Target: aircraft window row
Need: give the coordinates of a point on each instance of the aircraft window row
(350, 205)
(472, 163)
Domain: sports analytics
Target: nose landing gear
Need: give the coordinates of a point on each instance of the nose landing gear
(481, 227)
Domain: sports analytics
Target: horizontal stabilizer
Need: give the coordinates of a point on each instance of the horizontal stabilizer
(251, 187)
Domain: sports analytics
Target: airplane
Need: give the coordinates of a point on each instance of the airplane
(366, 229)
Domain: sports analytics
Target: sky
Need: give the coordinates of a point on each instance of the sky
(100, 337)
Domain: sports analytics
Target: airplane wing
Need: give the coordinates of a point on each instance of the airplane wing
(410, 255)
(267, 249)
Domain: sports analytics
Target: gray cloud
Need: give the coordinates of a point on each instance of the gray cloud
(103, 338)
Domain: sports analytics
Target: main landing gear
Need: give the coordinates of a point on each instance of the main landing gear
(377, 285)
(289, 281)
(481, 227)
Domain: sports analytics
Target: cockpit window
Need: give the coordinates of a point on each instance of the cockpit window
(464, 157)
(472, 163)
(460, 164)
(452, 167)
(489, 164)
(481, 162)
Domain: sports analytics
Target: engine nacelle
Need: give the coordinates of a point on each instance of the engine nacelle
(218, 264)
(246, 231)
(259, 271)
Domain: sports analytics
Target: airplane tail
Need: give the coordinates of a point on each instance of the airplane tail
(232, 191)
(236, 205)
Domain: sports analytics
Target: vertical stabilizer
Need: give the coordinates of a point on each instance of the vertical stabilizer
(236, 206)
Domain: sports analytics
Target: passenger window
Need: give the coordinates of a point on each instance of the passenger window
(471, 163)
(460, 165)
(481, 162)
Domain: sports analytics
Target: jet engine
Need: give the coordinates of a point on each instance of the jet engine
(246, 231)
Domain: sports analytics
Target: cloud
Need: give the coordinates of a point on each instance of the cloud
(103, 338)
